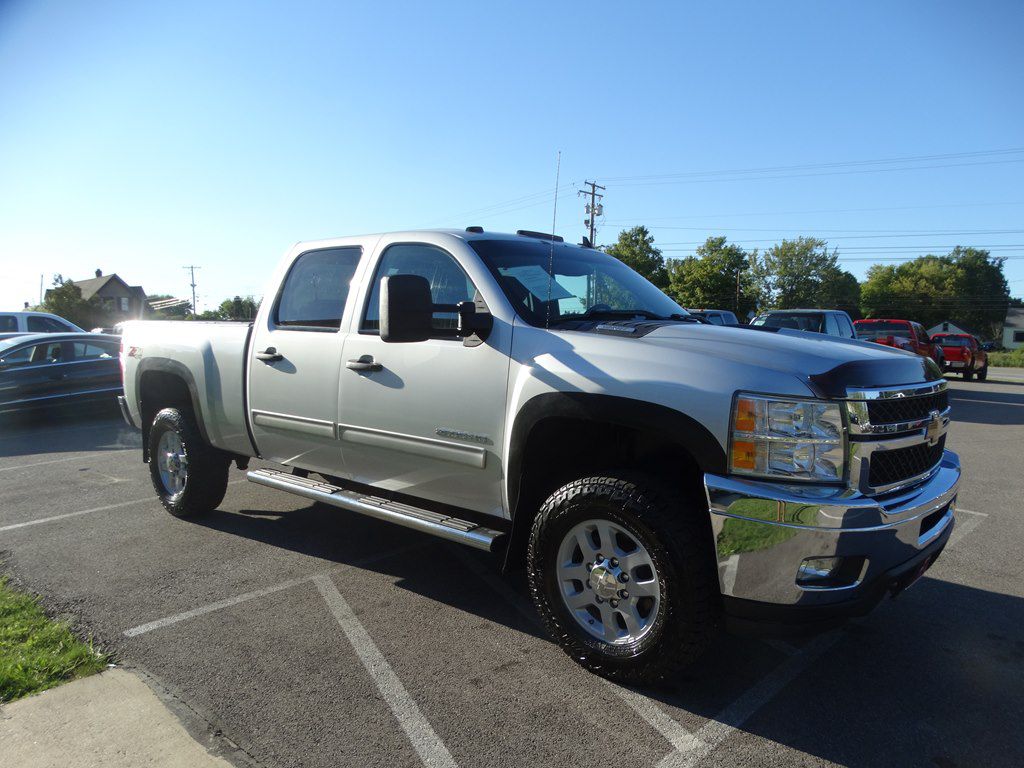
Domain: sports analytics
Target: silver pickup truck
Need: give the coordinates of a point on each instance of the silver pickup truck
(658, 476)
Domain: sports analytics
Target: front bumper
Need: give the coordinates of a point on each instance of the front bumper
(764, 531)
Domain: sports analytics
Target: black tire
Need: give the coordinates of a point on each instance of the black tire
(983, 372)
(968, 374)
(207, 477)
(677, 535)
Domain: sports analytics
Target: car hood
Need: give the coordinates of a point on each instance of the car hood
(828, 364)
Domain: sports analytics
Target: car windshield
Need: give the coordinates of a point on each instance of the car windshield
(573, 283)
(877, 330)
(800, 321)
(952, 341)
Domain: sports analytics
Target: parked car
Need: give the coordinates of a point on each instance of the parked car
(522, 395)
(715, 316)
(900, 334)
(36, 322)
(46, 369)
(962, 354)
(12, 335)
(833, 322)
(992, 346)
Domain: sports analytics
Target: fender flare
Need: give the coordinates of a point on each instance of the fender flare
(175, 368)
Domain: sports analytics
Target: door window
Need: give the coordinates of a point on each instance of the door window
(94, 350)
(316, 289)
(831, 325)
(846, 327)
(449, 284)
(38, 324)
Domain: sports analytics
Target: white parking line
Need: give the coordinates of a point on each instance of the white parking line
(984, 402)
(167, 621)
(65, 459)
(67, 515)
(964, 526)
(972, 512)
(211, 607)
(726, 722)
(424, 739)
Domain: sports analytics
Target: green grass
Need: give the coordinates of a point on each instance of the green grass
(36, 652)
(1011, 359)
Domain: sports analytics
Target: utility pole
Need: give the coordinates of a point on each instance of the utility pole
(594, 208)
(192, 273)
(737, 293)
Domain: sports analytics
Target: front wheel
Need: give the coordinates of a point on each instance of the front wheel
(190, 477)
(622, 574)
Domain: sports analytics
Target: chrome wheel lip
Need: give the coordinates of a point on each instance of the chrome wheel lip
(617, 598)
(172, 462)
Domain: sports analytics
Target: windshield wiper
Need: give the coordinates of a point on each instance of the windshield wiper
(612, 314)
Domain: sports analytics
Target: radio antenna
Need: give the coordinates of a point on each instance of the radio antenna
(551, 248)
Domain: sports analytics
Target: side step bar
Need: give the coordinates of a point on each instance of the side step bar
(450, 528)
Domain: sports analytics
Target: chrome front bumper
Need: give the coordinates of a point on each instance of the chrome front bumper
(764, 531)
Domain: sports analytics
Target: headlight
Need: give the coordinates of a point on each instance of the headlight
(785, 438)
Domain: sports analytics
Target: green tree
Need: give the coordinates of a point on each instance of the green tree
(635, 248)
(238, 308)
(805, 273)
(65, 299)
(966, 286)
(710, 278)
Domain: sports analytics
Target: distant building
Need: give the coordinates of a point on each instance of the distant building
(948, 326)
(118, 299)
(1013, 328)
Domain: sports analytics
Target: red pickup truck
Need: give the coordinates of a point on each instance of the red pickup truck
(901, 334)
(963, 355)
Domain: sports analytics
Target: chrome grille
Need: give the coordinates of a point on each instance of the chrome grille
(899, 464)
(897, 435)
(896, 410)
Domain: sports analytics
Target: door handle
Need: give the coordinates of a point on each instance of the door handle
(364, 363)
(269, 355)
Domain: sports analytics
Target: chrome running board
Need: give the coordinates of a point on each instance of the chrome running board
(443, 526)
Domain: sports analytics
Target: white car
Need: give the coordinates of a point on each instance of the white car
(36, 322)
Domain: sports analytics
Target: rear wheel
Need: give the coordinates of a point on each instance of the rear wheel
(190, 477)
(983, 372)
(968, 373)
(622, 573)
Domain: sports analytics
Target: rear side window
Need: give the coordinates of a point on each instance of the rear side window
(94, 350)
(316, 289)
(831, 325)
(846, 327)
(46, 325)
(8, 323)
(448, 283)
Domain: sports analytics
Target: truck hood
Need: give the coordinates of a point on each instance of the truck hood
(828, 364)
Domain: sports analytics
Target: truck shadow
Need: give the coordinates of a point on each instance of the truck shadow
(935, 678)
(66, 429)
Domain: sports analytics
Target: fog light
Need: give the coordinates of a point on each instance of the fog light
(830, 572)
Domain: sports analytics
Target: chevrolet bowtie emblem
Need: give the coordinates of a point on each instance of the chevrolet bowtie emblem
(934, 430)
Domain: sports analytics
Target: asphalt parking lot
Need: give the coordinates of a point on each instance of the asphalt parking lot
(285, 634)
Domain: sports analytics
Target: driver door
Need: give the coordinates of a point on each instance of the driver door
(425, 418)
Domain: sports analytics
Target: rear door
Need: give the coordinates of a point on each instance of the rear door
(294, 360)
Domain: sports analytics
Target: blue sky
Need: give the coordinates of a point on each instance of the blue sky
(142, 137)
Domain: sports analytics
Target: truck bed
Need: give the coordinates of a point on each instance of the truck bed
(214, 354)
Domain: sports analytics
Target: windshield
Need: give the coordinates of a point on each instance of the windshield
(800, 321)
(877, 330)
(587, 283)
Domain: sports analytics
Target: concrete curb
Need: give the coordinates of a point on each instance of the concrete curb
(109, 720)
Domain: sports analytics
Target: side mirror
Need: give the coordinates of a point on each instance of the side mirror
(406, 309)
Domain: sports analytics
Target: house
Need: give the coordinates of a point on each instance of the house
(1013, 328)
(948, 326)
(119, 300)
